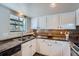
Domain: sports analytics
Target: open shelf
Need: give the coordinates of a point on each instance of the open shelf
(16, 24)
(16, 20)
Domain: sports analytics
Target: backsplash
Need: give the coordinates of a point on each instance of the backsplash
(60, 33)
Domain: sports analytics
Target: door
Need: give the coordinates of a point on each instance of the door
(27, 49)
(67, 20)
(53, 21)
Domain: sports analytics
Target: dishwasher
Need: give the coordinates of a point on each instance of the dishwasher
(75, 50)
(17, 51)
(14, 51)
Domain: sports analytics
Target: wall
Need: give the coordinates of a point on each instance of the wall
(4, 19)
(28, 25)
(4, 23)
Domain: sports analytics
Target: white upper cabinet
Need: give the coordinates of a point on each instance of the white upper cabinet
(53, 21)
(38, 22)
(58, 21)
(67, 20)
(34, 23)
(42, 22)
(77, 17)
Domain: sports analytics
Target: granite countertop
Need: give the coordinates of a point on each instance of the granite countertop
(57, 39)
(11, 36)
(11, 42)
(8, 44)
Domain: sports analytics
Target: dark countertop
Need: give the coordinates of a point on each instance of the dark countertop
(57, 39)
(11, 43)
(7, 44)
(16, 36)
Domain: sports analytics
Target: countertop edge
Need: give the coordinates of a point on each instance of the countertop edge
(28, 34)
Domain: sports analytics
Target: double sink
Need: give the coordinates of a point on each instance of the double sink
(26, 38)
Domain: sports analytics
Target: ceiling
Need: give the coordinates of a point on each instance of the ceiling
(42, 9)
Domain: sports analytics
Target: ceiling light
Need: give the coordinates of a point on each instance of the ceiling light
(20, 13)
(53, 5)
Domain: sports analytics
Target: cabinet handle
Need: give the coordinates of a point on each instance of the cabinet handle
(43, 40)
(49, 44)
(30, 46)
(55, 42)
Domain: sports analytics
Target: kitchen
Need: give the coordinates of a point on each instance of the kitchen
(39, 29)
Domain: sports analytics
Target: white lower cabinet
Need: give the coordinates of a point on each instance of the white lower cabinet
(29, 48)
(66, 49)
(46, 47)
(50, 48)
(38, 45)
(54, 48)
(33, 46)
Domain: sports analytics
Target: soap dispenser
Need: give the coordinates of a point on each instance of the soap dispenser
(67, 35)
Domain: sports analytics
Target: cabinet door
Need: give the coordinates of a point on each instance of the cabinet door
(42, 22)
(55, 48)
(65, 48)
(77, 17)
(53, 21)
(67, 20)
(38, 45)
(34, 23)
(33, 46)
(27, 49)
(44, 49)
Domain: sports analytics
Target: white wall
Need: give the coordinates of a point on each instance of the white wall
(4, 20)
(5, 24)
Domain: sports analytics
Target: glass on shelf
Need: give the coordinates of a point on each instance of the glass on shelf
(13, 17)
(12, 28)
(16, 23)
(21, 19)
